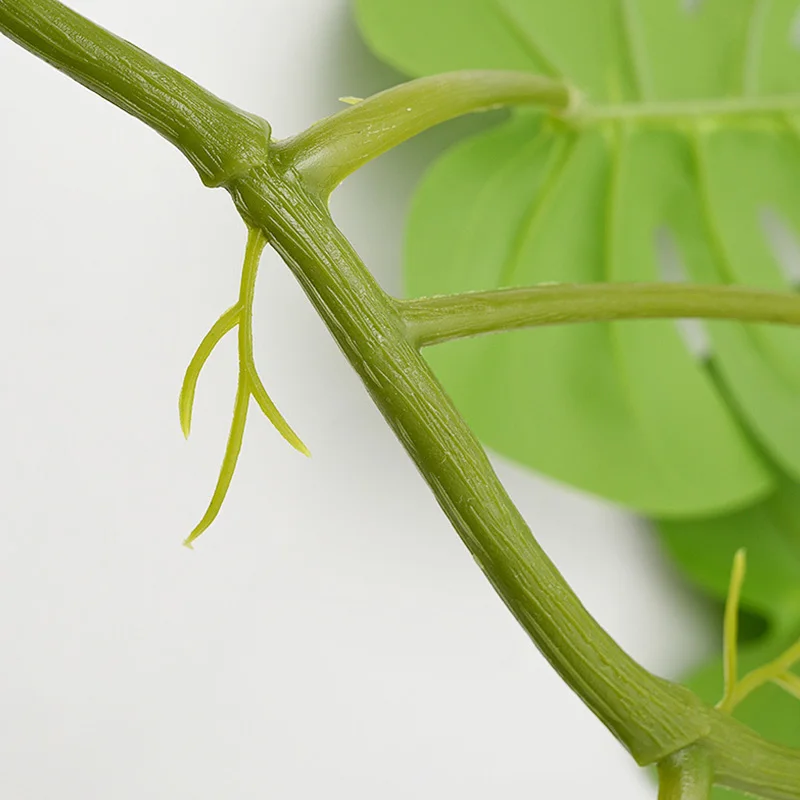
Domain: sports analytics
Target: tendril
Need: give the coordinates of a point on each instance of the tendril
(777, 671)
(249, 383)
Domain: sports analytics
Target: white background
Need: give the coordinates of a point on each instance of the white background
(329, 636)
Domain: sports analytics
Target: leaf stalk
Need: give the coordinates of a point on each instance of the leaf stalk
(433, 320)
(335, 147)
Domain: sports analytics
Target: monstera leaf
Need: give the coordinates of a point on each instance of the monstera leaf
(693, 149)
(704, 550)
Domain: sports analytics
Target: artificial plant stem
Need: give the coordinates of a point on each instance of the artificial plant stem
(256, 242)
(226, 323)
(218, 139)
(761, 675)
(686, 775)
(431, 320)
(652, 717)
(337, 146)
(789, 682)
(730, 633)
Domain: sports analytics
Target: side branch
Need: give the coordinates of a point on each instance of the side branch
(337, 146)
(432, 320)
(219, 140)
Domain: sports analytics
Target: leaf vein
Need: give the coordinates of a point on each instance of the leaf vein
(533, 48)
(634, 41)
(558, 161)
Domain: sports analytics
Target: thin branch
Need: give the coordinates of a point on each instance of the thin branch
(789, 682)
(730, 633)
(249, 383)
(775, 671)
(337, 146)
(229, 460)
(256, 242)
(432, 320)
(227, 322)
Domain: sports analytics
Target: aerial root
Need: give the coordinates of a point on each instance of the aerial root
(777, 671)
(249, 383)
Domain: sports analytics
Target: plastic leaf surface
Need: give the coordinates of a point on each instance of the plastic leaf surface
(703, 549)
(624, 410)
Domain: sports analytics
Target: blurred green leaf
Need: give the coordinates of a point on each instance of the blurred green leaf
(770, 600)
(623, 410)
(770, 531)
(772, 712)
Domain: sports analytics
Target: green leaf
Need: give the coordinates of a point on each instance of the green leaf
(704, 549)
(770, 711)
(521, 201)
(770, 532)
(622, 410)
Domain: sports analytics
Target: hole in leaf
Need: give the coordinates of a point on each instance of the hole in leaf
(691, 6)
(783, 243)
(794, 30)
(672, 270)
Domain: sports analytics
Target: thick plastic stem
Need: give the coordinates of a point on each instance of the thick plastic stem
(652, 717)
(219, 140)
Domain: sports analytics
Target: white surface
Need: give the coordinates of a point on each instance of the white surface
(330, 636)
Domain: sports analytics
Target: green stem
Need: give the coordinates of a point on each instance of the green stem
(686, 775)
(692, 109)
(789, 682)
(337, 146)
(652, 717)
(762, 675)
(730, 633)
(432, 320)
(219, 140)
(226, 323)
